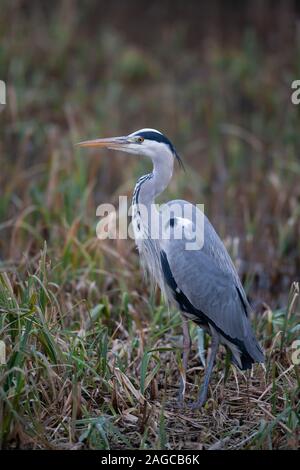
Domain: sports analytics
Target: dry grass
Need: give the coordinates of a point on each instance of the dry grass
(92, 355)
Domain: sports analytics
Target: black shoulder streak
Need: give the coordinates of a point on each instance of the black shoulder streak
(242, 301)
(151, 135)
(167, 271)
(186, 306)
(184, 303)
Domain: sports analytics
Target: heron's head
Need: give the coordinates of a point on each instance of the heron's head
(147, 142)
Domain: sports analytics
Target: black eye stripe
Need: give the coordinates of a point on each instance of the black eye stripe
(151, 135)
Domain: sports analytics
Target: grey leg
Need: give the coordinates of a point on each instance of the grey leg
(201, 348)
(204, 388)
(185, 357)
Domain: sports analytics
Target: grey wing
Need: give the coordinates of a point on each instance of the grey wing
(208, 283)
(213, 246)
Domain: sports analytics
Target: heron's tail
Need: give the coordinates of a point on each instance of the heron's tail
(248, 350)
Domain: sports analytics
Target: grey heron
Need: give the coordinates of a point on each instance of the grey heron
(202, 283)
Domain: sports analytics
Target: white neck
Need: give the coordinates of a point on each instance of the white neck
(161, 176)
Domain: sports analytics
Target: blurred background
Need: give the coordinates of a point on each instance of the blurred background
(215, 77)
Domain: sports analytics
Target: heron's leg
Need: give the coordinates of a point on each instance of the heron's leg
(204, 388)
(185, 357)
(201, 347)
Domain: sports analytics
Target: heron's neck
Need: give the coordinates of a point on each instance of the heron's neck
(150, 186)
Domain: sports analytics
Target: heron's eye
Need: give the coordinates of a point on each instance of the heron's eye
(139, 139)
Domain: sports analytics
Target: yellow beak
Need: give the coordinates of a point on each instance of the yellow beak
(110, 143)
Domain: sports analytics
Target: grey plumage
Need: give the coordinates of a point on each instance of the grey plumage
(209, 280)
(202, 283)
